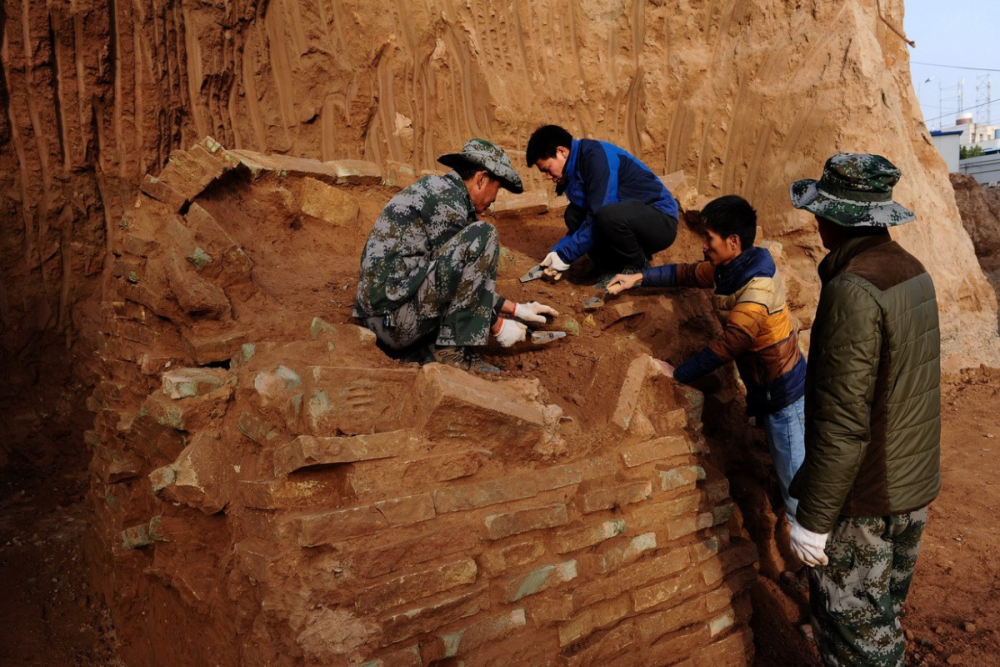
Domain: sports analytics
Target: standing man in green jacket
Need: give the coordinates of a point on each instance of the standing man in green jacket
(873, 416)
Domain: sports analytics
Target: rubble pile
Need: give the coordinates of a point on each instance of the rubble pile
(980, 209)
(270, 493)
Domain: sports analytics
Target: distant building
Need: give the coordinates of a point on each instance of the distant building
(966, 133)
(976, 134)
(985, 169)
(948, 145)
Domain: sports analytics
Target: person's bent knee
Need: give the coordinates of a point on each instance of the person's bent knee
(484, 238)
(612, 220)
(606, 220)
(574, 216)
(480, 230)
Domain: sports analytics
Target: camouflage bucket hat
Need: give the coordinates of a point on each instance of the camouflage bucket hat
(854, 191)
(490, 157)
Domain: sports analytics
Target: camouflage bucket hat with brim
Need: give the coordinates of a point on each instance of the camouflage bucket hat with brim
(854, 191)
(490, 157)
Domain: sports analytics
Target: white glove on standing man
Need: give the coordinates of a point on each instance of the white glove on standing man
(533, 312)
(809, 546)
(508, 332)
(554, 266)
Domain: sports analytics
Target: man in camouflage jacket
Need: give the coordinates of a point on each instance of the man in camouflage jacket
(873, 416)
(429, 266)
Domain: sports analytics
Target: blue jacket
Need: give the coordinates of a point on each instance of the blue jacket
(598, 174)
(758, 333)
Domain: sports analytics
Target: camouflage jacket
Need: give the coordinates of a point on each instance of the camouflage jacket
(412, 227)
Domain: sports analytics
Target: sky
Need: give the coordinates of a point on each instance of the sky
(960, 33)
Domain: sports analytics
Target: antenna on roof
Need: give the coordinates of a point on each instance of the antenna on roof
(984, 98)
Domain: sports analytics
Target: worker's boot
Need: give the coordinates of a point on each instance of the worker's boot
(461, 357)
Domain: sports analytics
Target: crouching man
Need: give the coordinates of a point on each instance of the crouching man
(620, 214)
(429, 266)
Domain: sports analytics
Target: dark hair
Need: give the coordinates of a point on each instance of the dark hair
(730, 215)
(544, 141)
(467, 170)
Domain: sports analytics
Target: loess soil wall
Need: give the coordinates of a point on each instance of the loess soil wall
(743, 97)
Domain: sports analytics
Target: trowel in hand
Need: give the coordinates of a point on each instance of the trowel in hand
(534, 273)
(544, 337)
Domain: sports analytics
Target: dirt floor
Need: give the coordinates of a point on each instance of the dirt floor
(952, 615)
(48, 612)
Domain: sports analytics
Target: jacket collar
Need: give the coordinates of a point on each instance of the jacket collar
(571, 182)
(753, 262)
(574, 154)
(459, 184)
(835, 262)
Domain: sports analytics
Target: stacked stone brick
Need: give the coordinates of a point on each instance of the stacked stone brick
(311, 502)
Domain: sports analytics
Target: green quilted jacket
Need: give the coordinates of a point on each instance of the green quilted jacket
(873, 391)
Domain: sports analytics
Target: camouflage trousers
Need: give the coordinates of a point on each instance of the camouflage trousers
(856, 599)
(455, 299)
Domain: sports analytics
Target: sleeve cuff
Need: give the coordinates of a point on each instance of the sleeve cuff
(697, 366)
(660, 276)
(497, 308)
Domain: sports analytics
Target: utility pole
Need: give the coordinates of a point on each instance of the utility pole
(955, 98)
(984, 96)
(940, 103)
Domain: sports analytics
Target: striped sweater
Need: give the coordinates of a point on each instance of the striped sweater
(758, 331)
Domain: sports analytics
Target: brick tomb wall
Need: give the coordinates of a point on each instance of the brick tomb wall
(308, 501)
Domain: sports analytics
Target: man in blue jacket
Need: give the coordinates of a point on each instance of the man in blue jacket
(620, 213)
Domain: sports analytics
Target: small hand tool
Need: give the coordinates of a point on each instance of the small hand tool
(544, 337)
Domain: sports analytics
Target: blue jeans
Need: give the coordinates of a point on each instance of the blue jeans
(786, 437)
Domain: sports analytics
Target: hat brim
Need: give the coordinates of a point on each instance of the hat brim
(807, 195)
(455, 160)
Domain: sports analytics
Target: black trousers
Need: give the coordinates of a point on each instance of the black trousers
(626, 234)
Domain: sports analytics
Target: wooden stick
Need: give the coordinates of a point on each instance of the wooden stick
(902, 36)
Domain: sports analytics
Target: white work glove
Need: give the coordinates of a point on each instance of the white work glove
(533, 312)
(554, 262)
(508, 332)
(624, 281)
(809, 546)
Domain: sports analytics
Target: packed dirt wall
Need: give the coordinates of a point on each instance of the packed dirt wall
(742, 96)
